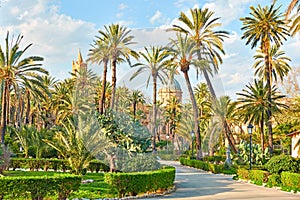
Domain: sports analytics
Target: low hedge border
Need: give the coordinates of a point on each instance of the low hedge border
(38, 187)
(206, 166)
(286, 180)
(131, 184)
(54, 164)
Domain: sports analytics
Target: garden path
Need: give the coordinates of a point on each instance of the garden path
(194, 184)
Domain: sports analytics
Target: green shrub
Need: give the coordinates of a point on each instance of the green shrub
(274, 180)
(243, 174)
(216, 159)
(278, 164)
(290, 181)
(141, 182)
(37, 187)
(140, 163)
(258, 177)
(96, 165)
(206, 166)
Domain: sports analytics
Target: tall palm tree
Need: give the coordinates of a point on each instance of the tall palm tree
(253, 104)
(295, 27)
(136, 98)
(15, 70)
(172, 114)
(265, 26)
(184, 50)
(155, 63)
(278, 62)
(100, 54)
(201, 28)
(118, 39)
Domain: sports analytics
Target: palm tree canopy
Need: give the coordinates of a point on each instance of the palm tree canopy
(279, 63)
(292, 6)
(201, 29)
(265, 24)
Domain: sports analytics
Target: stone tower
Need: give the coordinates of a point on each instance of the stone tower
(78, 64)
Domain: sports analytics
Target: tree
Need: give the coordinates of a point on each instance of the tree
(136, 98)
(295, 27)
(201, 28)
(155, 63)
(173, 115)
(100, 54)
(184, 50)
(253, 104)
(118, 39)
(16, 70)
(266, 26)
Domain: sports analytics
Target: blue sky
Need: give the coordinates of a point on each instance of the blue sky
(58, 28)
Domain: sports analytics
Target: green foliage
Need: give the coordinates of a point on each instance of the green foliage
(141, 182)
(215, 159)
(214, 168)
(274, 180)
(258, 177)
(278, 164)
(96, 165)
(258, 157)
(140, 163)
(243, 174)
(290, 181)
(38, 187)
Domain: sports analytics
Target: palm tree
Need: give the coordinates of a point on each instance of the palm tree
(201, 28)
(253, 104)
(295, 27)
(15, 72)
(100, 54)
(118, 39)
(155, 63)
(172, 114)
(266, 26)
(136, 97)
(224, 111)
(278, 62)
(184, 50)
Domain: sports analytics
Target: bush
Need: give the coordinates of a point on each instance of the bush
(278, 164)
(258, 177)
(243, 174)
(96, 165)
(140, 163)
(37, 187)
(141, 182)
(274, 180)
(216, 159)
(290, 181)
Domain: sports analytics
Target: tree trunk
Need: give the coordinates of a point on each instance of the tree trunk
(262, 132)
(134, 109)
(113, 81)
(196, 115)
(103, 90)
(154, 114)
(4, 110)
(269, 86)
(27, 108)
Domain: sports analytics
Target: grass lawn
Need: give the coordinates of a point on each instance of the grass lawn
(93, 190)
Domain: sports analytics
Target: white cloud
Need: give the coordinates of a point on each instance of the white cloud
(155, 17)
(55, 37)
(122, 6)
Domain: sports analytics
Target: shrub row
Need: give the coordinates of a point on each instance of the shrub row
(38, 187)
(141, 182)
(287, 180)
(214, 168)
(54, 164)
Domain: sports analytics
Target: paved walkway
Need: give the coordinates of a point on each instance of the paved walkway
(194, 184)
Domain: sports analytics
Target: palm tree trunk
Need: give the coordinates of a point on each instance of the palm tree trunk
(262, 132)
(269, 86)
(27, 108)
(209, 84)
(230, 137)
(4, 110)
(154, 114)
(114, 81)
(103, 89)
(195, 114)
(134, 109)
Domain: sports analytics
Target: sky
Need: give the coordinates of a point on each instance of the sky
(59, 28)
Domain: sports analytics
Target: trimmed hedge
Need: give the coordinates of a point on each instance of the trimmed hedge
(243, 174)
(206, 166)
(258, 177)
(38, 187)
(290, 181)
(274, 180)
(278, 164)
(141, 182)
(54, 164)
